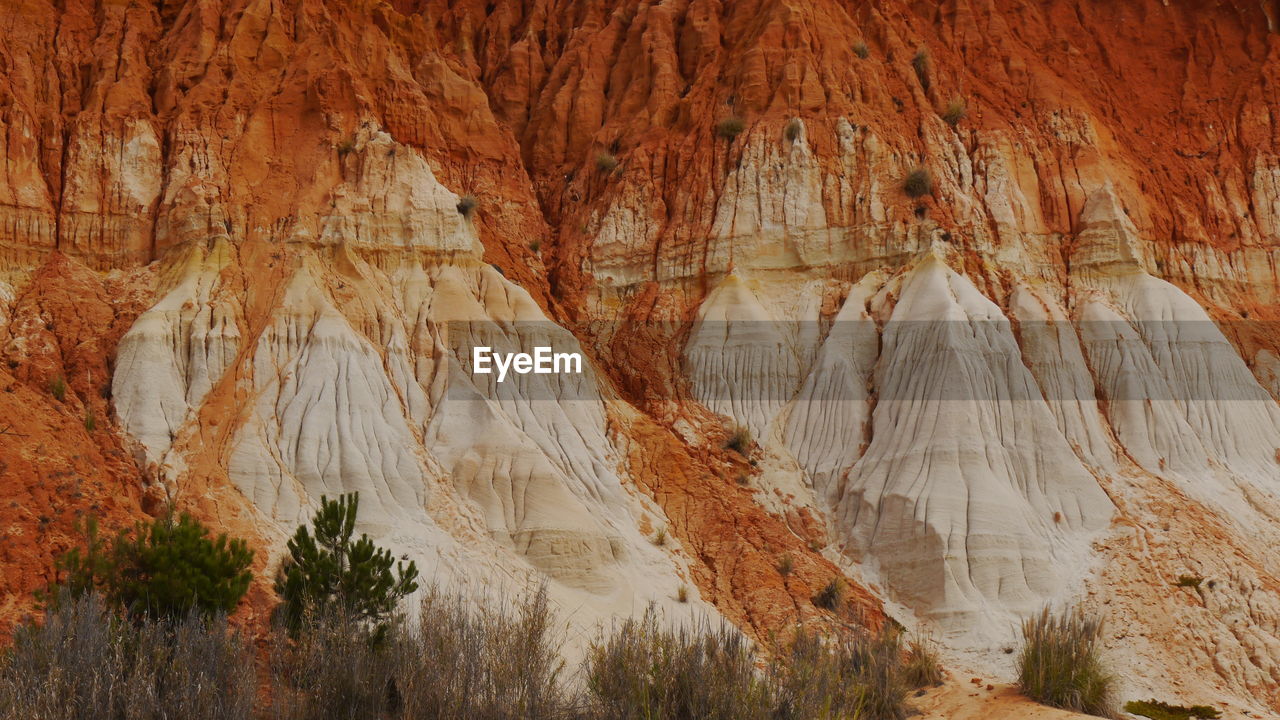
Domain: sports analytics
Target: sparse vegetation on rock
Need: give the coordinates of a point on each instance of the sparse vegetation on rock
(1060, 666)
(730, 127)
(957, 109)
(1164, 711)
(793, 129)
(58, 388)
(467, 206)
(829, 597)
(606, 162)
(739, 440)
(918, 183)
(921, 64)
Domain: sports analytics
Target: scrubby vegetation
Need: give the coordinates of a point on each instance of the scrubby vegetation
(793, 129)
(921, 667)
(786, 564)
(467, 206)
(1059, 664)
(918, 183)
(955, 111)
(920, 63)
(861, 50)
(730, 127)
(460, 661)
(342, 648)
(606, 163)
(164, 569)
(829, 597)
(58, 388)
(82, 661)
(739, 440)
(1189, 581)
(1164, 711)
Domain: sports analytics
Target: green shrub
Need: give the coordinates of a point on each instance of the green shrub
(606, 162)
(81, 662)
(467, 206)
(1164, 711)
(460, 661)
(1059, 663)
(955, 111)
(90, 421)
(829, 597)
(329, 574)
(730, 127)
(660, 537)
(793, 129)
(861, 50)
(58, 388)
(920, 63)
(165, 569)
(918, 183)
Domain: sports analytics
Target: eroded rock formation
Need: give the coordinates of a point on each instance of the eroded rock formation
(236, 231)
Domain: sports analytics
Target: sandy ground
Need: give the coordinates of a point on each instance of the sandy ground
(968, 701)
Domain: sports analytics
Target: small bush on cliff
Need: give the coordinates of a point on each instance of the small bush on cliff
(730, 127)
(82, 663)
(955, 111)
(58, 388)
(829, 597)
(739, 440)
(1059, 664)
(920, 63)
(861, 50)
(163, 569)
(793, 129)
(327, 573)
(786, 564)
(467, 206)
(606, 163)
(918, 183)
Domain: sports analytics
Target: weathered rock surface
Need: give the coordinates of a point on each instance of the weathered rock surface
(235, 229)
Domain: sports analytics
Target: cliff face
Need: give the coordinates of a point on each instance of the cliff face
(234, 229)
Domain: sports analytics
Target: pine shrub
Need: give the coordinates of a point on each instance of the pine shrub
(164, 569)
(328, 573)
